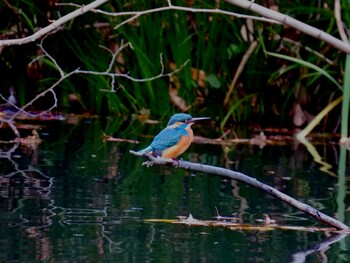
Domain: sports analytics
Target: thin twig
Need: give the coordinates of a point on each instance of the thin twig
(127, 76)
(307, 48)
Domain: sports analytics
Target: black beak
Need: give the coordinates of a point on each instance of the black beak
(198, 119)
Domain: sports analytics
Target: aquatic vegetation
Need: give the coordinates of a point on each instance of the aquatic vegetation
(251, 64)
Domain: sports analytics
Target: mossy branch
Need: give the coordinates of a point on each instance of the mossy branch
(196, 167)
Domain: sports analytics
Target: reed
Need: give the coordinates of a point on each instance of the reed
(345, 104)
(215, 44)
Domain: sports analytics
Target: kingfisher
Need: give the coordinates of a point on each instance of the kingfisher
(173, 140)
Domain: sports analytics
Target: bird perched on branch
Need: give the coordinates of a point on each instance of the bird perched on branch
(175, 138)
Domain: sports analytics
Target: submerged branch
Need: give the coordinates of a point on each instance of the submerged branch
(233, 225)
(247, 180)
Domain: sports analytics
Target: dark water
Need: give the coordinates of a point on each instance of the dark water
(75, 198)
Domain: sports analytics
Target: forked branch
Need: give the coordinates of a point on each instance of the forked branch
(109, 73)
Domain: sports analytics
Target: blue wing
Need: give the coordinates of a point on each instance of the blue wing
(168, 137)
(165, 139)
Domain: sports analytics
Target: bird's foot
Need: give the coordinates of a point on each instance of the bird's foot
(151, 160)
(163, 161)
(175, 162)
(156, 160)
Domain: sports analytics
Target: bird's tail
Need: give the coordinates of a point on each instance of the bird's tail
(146, 150)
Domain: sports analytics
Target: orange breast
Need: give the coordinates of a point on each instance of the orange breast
(181, 147)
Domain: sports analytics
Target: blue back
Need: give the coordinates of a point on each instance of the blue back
(169, 137)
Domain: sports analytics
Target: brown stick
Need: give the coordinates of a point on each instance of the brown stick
(249, 181)
(240, 69)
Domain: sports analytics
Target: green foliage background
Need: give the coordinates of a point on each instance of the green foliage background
(265, 92)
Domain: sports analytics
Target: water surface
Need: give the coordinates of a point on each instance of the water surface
(76, 198)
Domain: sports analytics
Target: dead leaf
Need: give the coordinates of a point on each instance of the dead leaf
(177, 100)
(31, 141)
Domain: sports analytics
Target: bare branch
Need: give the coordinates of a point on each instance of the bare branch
(108, 72)
(46, 54)
(268, 15)
(11, 125)
(247, 180)
(127, 76)
(135, 14)
(56, 24)
(115, 54)
(340, 24)
(287, 20)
